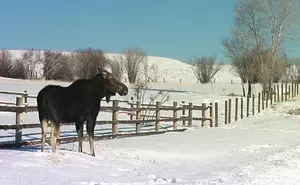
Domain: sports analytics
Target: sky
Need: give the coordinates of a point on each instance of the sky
(178, 29)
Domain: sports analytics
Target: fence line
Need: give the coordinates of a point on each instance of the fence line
(132, 109)
(137, 112)
(262, 101)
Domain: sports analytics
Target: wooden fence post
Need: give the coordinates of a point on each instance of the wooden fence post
(271, 97)
(262, 100)
(274, 93)
(289, 91)
(278, 93)
(25, 97)
(242, 108)
(282, 92)
(292, 90)
(138, 117)
(216, 115)
(258, 103)
(297, 88)
(226, 111)
(25, 100)
(115, 117)
(157, 123)
(203, 114)
(131, 106)
(229, 111)
(236, 109)
(267, 99)
(190, 121)
(183, 113)
(175, 115)
(19, 119)
(285, 96)
(248, 105)
(211, 115)
(253, 103)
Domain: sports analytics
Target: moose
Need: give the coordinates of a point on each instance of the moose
(78, 102)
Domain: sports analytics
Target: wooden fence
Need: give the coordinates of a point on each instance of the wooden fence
(134, 109)
(259, 102)
(182, 114)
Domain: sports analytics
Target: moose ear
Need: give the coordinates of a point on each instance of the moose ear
(108, 98)
(98, 69)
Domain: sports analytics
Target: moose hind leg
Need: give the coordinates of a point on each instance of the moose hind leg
(79, 129)
(44, 125)
(90, 126)
(54, 132)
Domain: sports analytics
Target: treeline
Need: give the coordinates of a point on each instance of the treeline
(82, 63)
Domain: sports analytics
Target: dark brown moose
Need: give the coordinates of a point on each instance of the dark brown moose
(78, 102)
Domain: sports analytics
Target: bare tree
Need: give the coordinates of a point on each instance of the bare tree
(30, 59)
(244, 60)
(135, 57)
(117, 66)
(154, 71)
(87, 61)
(64, 70)
(205, 68)
(50, 61)
(267, 25)
(293, 70)
(18, 70)
(5, 63)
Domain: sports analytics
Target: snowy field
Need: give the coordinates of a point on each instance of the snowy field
(262, 149)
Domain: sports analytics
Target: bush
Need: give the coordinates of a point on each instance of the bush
(134, 59)
(64, 71)
(117, 67)
(50, 61)
(87, 61)
(5, 64)
(18, 70)
(205, 68)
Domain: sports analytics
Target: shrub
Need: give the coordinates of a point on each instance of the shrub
(87, 61)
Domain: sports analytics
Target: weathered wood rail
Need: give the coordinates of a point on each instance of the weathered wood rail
(132, 109)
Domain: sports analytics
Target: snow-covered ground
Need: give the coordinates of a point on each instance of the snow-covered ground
(261, 149)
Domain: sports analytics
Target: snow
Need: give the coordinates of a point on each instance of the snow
(260, 149)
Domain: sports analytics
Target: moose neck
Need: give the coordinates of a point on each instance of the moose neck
(99, 89)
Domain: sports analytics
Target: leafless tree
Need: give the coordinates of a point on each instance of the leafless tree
(244, 60)
(87, 61)
(154, 71)
(5, 63)
(117, 66)
(50, 63)
(267, 25)
(64, 70)
(18, 70)
(30, 59)
(205, 68)
(135, 58)
(293, 70)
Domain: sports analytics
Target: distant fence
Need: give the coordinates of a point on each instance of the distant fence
(134, 109)
(257, 103)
